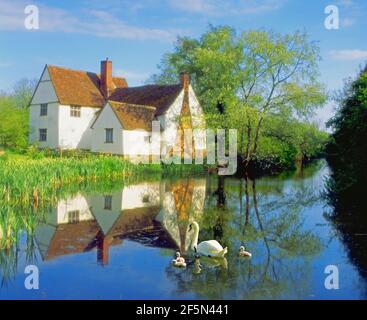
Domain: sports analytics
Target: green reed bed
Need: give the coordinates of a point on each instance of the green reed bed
(13, 220)
(29, 181)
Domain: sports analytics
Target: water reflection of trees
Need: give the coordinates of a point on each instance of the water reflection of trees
(348, 214)
(266, 216)
(16, 224)
(263, 214)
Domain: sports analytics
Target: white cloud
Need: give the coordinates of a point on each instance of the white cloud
(348, 55)
(258, 6)
(348, 22)
(345, 3)
(6, 64)
(351, 12)
(223, 7)
(198, 6)
(98, 23)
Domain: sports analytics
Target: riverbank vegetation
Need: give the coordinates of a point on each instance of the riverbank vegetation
(346, 152)
(14, 114)
(347, 148)
(35, 176)
(346, 155)
(261, 83)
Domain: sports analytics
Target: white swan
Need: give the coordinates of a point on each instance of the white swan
(210, 248)
(243, 253)
(179, 261)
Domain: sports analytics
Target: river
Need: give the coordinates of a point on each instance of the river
(119, 244)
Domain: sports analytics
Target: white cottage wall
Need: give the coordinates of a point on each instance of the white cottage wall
(76, 132)
(107, 120)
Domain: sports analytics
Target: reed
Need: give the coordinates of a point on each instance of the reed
(29, 181)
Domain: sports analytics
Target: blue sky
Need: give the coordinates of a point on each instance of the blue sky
(135, 34)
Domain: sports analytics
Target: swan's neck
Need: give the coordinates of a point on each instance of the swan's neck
(195, 238)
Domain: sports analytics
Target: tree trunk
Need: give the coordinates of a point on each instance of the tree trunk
(257, 135)
(248, 147)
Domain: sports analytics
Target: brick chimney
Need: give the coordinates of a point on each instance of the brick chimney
(185, 80)
(103, 247)
(106, 83)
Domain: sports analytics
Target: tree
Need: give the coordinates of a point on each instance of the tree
(23, 91)
(346, 154)
(14, 114)
(249, 78)
(347, 148)
(13, 124)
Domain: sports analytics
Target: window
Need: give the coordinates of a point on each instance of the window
(109, 135)
(146, 198)
(44, 107)
(42, 135)
(75, 111)
(108, 202)
(74, 216)
(148, 139)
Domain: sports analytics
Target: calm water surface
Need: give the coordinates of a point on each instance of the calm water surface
(121, 244)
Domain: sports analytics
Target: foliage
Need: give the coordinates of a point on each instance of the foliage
(23, 91)
(37, 177)
(347, 147)
(346, 155)
(250, 81)
(13, 124)
(14, 114)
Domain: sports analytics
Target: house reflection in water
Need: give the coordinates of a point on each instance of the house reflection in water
(154, 214)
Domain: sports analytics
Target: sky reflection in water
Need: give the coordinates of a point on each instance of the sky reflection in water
(120, 245)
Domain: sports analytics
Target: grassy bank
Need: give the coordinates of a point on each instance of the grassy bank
(34, 178)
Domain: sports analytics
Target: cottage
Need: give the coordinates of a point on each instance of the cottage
(73, 109)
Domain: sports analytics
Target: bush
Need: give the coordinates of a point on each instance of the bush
(13, 124)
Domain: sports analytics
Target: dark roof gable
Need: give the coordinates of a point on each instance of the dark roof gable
(160, 97)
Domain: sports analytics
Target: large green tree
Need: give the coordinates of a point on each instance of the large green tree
(13, 124)
(249, 78)
(23, 91)
(347, 148)
(14, 114)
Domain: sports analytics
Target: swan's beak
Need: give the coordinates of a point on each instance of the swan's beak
(190, 227)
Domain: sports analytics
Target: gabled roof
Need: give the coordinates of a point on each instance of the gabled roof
(160, 97)
(132, 116)
(82, 88)
(72, 238)
(74, 87)
(135, 107)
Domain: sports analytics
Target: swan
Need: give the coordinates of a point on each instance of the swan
(244, 253)
(210, 248)
(179, 261)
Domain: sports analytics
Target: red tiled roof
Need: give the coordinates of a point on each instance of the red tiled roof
(132, 116)
(72, 239)
(81, 88)
(134, 107)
